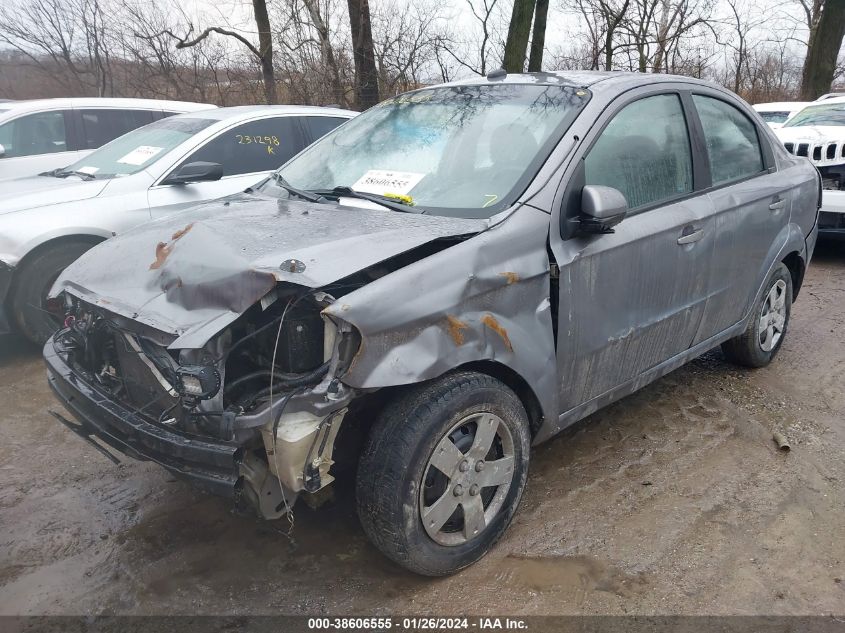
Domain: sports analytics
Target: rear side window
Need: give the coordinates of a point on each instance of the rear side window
(319, 126)
(255, 146)
(644, 152)
(34, 134)
(732, 143)
(101, 126)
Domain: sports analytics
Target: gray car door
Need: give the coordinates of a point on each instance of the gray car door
(751, 204)
(630, 299)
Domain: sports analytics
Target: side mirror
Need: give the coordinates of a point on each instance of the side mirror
(2, 151)
(195, 172)
(602, 208)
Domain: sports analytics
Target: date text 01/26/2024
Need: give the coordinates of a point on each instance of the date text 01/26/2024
(417, 624)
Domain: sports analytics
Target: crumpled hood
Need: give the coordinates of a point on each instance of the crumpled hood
(811, 134)
(18, 194)
(193, 273)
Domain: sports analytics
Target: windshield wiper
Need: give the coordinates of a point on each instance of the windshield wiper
(63, 173)
(385, 201)
(300, 193)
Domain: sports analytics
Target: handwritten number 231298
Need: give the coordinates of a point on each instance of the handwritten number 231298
(263, 140)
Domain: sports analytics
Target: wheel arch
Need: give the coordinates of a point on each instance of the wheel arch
(796, 265)
(516, 383)
(24, 261)
(363, 409)
(91, 238)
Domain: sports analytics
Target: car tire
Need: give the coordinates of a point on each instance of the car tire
(448, 421)
(33, 282)
(762, 339)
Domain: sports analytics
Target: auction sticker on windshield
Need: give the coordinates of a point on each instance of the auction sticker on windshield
(140, 155)
(381, 182)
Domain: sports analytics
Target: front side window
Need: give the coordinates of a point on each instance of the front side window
(644, 152)
(256, 146)
(832, 114)
(732, 144)
(34, 134)
(461, 151)
(138, 149)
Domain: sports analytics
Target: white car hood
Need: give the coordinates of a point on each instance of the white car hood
(811, 134)
(18, 194)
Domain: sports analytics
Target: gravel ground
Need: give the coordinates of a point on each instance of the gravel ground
(672, 501)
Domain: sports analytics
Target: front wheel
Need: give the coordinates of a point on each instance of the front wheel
(37, 317)
(758, 345)
(443, 471)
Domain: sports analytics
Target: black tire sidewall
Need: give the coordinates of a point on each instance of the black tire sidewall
(423, 554)
(29, 284)
(760, 355)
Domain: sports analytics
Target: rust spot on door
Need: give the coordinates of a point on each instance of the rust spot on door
(456, 329)
(163, 249)
(490, 321)
(510, 277)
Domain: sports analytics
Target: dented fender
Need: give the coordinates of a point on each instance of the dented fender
(485, 299)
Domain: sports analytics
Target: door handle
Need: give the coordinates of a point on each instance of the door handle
(689, 235)
(779, 203)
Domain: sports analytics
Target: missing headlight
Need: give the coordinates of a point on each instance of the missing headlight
(198, 381)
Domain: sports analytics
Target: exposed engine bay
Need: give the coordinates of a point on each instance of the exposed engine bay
(268, 383)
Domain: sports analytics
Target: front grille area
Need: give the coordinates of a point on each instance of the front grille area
(140, 388)
(819, 153)
(833, 177)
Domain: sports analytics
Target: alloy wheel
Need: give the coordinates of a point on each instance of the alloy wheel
(467, 479)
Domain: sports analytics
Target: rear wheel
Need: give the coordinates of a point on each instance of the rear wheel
(758, 345)
(36, 317)
(443, 471)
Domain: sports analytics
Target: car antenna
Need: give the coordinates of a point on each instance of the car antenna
(499, 73)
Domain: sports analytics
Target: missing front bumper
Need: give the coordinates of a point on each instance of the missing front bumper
(212, 465)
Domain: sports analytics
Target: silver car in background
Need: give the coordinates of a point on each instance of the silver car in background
(47, 221)
(43, 134)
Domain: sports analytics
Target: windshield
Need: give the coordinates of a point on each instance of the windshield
(461, 151)
(138, 149)
(822, 114)
(774, 117)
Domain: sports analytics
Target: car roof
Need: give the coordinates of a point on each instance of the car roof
(781, 105)
(34, 105)
(828, 100)
(247, 112)
(595, 79)
(831, 95)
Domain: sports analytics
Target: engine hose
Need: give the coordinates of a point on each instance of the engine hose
(284, 380)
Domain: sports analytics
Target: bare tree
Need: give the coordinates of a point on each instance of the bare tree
(263, 52)
(406, 36)
(538, 36)
(605, 21)
(476, 49)
(519, 30)
(65, 40)
(366, 75)
(827, 28)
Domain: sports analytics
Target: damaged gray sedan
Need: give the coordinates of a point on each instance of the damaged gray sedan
(449, 278)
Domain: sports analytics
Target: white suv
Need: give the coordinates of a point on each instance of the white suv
(40, 135)
(818, 133)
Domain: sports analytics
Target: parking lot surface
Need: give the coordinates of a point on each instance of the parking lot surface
(672, 501)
